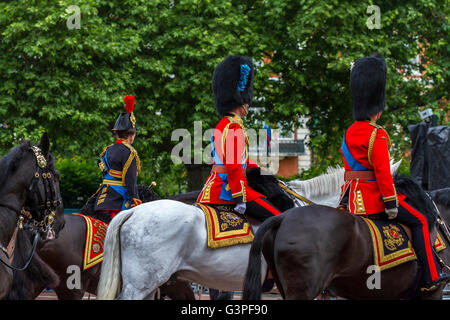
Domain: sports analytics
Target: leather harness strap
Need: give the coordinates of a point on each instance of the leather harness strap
(362, 175)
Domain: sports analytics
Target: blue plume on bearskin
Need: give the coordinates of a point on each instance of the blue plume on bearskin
(232, 83)
(245, 69)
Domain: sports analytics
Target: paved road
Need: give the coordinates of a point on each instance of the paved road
(50, 295)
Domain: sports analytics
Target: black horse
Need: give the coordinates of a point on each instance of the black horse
(53, 258)
(316, 248)
(441, 197)
(29, 183)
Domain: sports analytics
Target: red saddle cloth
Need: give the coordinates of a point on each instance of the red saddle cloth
(95, 238)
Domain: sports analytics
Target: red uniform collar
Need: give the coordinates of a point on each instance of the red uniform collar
(120, 141)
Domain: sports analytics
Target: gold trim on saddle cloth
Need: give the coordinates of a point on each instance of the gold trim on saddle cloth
(225, 228)
(393, 239)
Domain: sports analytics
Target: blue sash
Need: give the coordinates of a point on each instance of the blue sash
(119, 189)
(224, 193)
(351, 161)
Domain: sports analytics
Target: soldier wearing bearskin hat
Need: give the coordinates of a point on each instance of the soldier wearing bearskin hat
(227, 184)
(120, 165)
(369, 187)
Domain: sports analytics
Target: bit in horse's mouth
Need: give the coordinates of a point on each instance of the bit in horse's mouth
(50, 234)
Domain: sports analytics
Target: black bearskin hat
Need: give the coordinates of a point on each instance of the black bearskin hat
(367, 83)
(126, 120)
(232, 83)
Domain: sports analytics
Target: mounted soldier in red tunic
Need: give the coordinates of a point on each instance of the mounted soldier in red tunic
(227, 183)
(120, 165)
(369, 187)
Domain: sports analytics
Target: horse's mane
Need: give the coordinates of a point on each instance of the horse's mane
(417, 198)
(188, 197)
(327, 183)
(146, 194)
(267, 185)
(10, 161)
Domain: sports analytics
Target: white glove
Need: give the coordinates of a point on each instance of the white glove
(392, 213)
(240, 207)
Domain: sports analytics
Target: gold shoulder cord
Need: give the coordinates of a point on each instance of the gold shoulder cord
(372, 140)
(133, 154)
(371, 143)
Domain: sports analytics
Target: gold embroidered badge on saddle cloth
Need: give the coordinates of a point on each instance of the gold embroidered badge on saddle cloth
(391, 245)
(225, 227)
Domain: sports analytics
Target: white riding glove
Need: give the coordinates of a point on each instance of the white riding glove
(392, 213)
(240, 207)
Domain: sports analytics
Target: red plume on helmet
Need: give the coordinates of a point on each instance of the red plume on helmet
(126, 120)
(129, 103)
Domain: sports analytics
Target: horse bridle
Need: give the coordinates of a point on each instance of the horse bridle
(44, 207)
(294, 195)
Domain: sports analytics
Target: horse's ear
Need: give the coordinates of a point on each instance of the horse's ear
(395, 166)
(44, 144)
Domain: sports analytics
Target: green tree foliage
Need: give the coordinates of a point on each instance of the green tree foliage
(79, 179)
(314, 43)
(71, 82)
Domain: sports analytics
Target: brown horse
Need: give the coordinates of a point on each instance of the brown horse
(57, 255)
(316, 248)
(29, 181)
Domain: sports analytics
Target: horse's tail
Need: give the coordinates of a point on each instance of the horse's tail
(110, 281)
(252, 280)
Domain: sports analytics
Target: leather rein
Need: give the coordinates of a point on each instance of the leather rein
(44, 210)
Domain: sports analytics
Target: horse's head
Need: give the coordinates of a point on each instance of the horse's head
(268, 185)
(147, 194)
(441, 197)
(35, 172)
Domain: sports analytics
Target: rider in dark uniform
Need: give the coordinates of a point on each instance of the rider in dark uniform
(120, 165)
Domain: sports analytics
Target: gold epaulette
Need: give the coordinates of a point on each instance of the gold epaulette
(387, 135)
(234, 119)
(104, 150)
(375, 125)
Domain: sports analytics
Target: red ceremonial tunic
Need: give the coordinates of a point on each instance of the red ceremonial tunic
(230, 149)
(365, 148)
